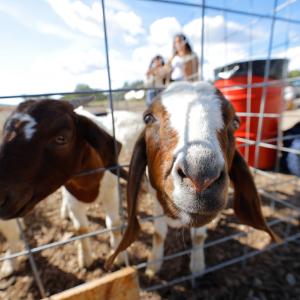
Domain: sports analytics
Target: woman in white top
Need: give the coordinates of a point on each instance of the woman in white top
(184, 62)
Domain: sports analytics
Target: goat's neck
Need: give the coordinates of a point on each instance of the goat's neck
(86, 187)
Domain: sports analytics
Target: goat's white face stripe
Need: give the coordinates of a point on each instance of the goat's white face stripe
(29, 127)
(195, 113)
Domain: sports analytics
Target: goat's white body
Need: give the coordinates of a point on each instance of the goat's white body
(77, 213)
(128, 126)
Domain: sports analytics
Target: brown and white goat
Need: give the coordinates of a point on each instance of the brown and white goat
(45, 145)
(189, 147)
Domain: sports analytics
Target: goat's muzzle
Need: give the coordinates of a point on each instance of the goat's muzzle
(200, 187)
(14, 203)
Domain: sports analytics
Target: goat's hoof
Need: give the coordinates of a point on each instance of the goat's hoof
(152, 270)
(64, 213)
(6, 283)
(150, 273)
(120, 259)
(197, 268)
(86, 262)
(7, 269)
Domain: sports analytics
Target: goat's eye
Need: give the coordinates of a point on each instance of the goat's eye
(61, 140)
(149, 118)
(236, 124)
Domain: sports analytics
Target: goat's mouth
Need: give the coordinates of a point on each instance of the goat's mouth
(18, 208)
(192, 216)
(205, 204)
(197, 220)
(190, 219)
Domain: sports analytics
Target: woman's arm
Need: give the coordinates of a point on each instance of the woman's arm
(190, 69)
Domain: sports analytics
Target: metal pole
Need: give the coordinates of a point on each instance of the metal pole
(202, 41)
(264, 92)
(35, 271)
(112, 116)
(249, 91)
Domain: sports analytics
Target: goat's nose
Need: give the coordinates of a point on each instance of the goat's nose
(200, 180)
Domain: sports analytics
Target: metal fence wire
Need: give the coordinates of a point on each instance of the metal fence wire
(269, 182)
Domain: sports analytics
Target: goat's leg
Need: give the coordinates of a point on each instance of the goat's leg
(159, 235)
(77, 213)
(11, 232)
(64, 209)
(197, 262)
(110, 201)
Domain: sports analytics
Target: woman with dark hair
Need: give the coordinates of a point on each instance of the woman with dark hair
(156, 78)
(184, 62)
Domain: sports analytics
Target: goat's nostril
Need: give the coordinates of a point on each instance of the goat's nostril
(208, 182)
(181, 173)
(201, 183)
(222, 173)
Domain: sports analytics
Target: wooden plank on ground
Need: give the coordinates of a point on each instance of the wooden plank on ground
(119, 285)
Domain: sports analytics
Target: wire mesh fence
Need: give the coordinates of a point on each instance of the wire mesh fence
(280, 20)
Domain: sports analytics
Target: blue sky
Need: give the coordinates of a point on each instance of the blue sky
(52, 45)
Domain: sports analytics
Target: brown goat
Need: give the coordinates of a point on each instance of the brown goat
(46, 145)
(189, 147)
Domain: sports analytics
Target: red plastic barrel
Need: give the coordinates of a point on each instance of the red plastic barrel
(274, 104)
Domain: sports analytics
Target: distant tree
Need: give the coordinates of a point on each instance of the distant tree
(126, 84)
(139, 84)
(82, 87)
(100, 96)
(294, 73)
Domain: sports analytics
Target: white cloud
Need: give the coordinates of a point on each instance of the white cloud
(55, 30)
(130, 40)
(79, 16)
(216, 27)
(10, 10)
(57, 72)
(117, 5)
(293, 55)
(162, 31)
(128, 22)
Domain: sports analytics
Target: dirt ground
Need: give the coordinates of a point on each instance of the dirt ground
(271, 275)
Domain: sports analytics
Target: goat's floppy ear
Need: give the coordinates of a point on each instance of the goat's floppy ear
(102, 142)
(136, 170)
(247, 203)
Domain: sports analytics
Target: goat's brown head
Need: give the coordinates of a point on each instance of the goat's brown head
(189, 147)
(44, 145)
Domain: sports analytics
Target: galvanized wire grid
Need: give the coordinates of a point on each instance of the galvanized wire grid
(268, 190)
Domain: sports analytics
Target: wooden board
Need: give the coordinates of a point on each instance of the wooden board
(119, 285)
